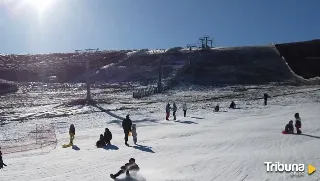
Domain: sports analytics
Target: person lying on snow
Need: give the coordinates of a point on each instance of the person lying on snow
(131, 166)
(101, 142)
(107, 136)
(289, 128)
(298, 123)
(1, 161)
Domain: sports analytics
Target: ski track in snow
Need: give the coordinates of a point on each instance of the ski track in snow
(205, 145)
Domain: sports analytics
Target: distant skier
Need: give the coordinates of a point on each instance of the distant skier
(184, 108)
(232, 105)
(174, 109)
(134, 133)
(217, 108)
(131, 167)
(289, 128)
(1, 161)
(298, 123)
(72, 133)
(168, 107)
(265, 97)
(107, 136)
(101, 142)
(126, 125)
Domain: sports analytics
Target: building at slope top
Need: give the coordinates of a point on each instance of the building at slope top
(302, 57)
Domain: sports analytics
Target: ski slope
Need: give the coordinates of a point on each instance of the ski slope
(231, 145)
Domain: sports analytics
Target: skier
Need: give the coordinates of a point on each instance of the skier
(298, 123)
(174, 111)
(265, 97)
(168, 107)
(126, 125)
(101, 142)
(289, 128)
(134, 133)
(107, 136)
(216, 109)
(131, 166)
(184, 108)
(232, 105)
(1, 161)
(72, 133)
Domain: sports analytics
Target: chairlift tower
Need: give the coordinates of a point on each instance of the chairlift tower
(86, 52)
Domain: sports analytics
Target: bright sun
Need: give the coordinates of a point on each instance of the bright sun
(40, 5)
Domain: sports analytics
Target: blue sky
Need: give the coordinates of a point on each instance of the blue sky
(67, 25)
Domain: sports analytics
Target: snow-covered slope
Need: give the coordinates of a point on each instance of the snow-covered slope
(229, 145)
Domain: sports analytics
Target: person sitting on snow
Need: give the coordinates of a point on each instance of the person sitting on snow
(107, 136)
(298, 123)
(101, 142)
(216, 109)
(232, 105)
(289, 127)
(131, 166)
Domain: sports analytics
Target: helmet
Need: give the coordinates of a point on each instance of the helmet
(296, 115)
(291, 122)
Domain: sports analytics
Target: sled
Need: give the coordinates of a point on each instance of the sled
(67, 145)
(284, 132)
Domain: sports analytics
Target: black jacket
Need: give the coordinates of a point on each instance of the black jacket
(126, 124)
(289, 128)
(107, 135)
(72, 130)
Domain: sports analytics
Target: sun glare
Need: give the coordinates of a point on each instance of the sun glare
(40, 5)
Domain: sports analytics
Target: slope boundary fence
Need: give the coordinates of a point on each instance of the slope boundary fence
(40, 137)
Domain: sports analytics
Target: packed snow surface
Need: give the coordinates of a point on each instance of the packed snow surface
(231, 145)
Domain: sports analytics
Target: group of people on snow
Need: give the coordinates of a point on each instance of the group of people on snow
(174, 110)
(105, 139)
(289, 127)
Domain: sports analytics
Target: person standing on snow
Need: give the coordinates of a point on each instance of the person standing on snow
(265, 97)
(126, 125)
(298, 123)
(174, 109)
(107, 136)
(184, 108)
(1, 161)
(168, 107)
(72, 133)
(134, 133)
(131, 166)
